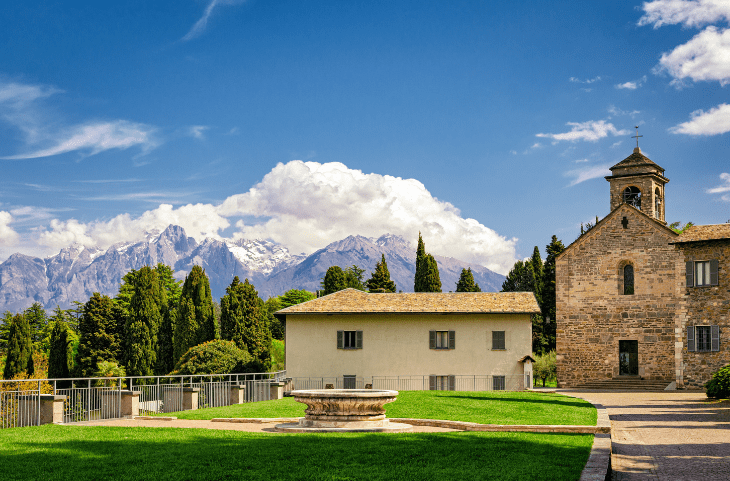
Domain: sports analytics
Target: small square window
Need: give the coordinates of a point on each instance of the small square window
(497, 383)
(442, 339)
(349, 339)
(498, 341)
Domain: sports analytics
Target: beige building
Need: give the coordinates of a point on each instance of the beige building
(450, 341)
(633, 297)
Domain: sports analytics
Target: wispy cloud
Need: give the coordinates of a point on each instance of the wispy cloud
(22, 106)
(92, 139)
(155, 197)
(590, 131)
(722, 188)
(199, 27)
(106, 181)
(713, 122)
(197, 131)
(633, 85)
(587, 173)
(586, 81)
(613, 110)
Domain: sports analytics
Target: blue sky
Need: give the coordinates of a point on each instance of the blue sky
(488, 126)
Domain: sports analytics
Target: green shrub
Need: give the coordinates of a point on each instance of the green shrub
(278, 355)
(216, 357)
(719, 385)
(545, 366)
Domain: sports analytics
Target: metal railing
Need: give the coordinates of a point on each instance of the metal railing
(92, 399)
(413, 382)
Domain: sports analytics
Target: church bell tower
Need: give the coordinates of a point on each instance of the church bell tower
(638, 182)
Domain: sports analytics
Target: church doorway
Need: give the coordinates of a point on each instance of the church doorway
(628, 358)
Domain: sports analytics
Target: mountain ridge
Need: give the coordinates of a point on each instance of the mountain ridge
(77, 271)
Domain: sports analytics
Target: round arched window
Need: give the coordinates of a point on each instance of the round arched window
(632, 196)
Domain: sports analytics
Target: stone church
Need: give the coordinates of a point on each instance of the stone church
(636, 300)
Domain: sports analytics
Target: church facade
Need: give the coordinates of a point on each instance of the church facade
(636, 299)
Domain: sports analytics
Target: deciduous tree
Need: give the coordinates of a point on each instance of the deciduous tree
(334, 280)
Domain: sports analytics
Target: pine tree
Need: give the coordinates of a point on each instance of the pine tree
(37, 321)
(243, 321)
(519, 279)
(60, 357)
(420, 255)
(354, 277)
(466, 282)
(143, 324)
(98, 340)
(197, 288)
(380, 279)
(334, 280)
(20, 353)
(186, 328)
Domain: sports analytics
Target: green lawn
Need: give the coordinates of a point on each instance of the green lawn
(86, 453)
(501, 407)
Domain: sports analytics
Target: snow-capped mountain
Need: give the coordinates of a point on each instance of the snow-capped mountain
(76, 272)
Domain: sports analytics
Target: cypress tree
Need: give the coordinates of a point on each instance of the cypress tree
(243, 321)
(380, 279)
(537, 267)
(20, 353)
(143, 324)
(60, 357)
(430, 280)
(420, 256)
(554, 249)
(334, 280)
(98, 339)
(197, 288)
(186, 328)
(466, 282)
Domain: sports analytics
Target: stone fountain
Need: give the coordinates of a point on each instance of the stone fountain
(344, 410)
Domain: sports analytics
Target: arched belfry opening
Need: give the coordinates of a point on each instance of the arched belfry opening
(632, 196)
(639, 182)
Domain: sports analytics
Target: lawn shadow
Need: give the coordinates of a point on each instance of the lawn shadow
(572, 402)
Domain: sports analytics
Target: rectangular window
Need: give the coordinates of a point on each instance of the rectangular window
(349, 339)
(497, 383)
(442, 383)
(702, 273)
(349, 381)
(498, 341)
(442, 339)
(702, 336)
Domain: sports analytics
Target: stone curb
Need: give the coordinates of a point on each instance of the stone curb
(598, 467)
(155, 418)
(521, 428)
(255, 420)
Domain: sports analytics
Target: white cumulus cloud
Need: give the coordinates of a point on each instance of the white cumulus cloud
(713, 122)
(722, 188)
(590, 131)
(633, 85)
(305, 206)
(690, 13)
(8, 236)
(705, 57)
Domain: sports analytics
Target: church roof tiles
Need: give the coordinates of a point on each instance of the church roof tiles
(637, 159)
(698, 233)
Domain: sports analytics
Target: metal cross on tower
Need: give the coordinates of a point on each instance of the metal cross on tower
(637, 136)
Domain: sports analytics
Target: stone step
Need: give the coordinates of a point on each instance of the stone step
(626, 384)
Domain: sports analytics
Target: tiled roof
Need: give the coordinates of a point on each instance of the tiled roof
(634, 160)
(698, 233)
(354, 301)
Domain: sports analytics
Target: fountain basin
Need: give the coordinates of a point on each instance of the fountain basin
(344, 410)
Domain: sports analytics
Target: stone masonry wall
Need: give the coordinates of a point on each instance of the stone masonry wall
(704, 306)
(593, 314)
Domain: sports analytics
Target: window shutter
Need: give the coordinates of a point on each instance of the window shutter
(714, 267)
(452, 381)
(691, 338)
(715, 337)
(432, 339)
(340, 340)
(358, 340)
(432, 382)
(452, 339)
(690, 273)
